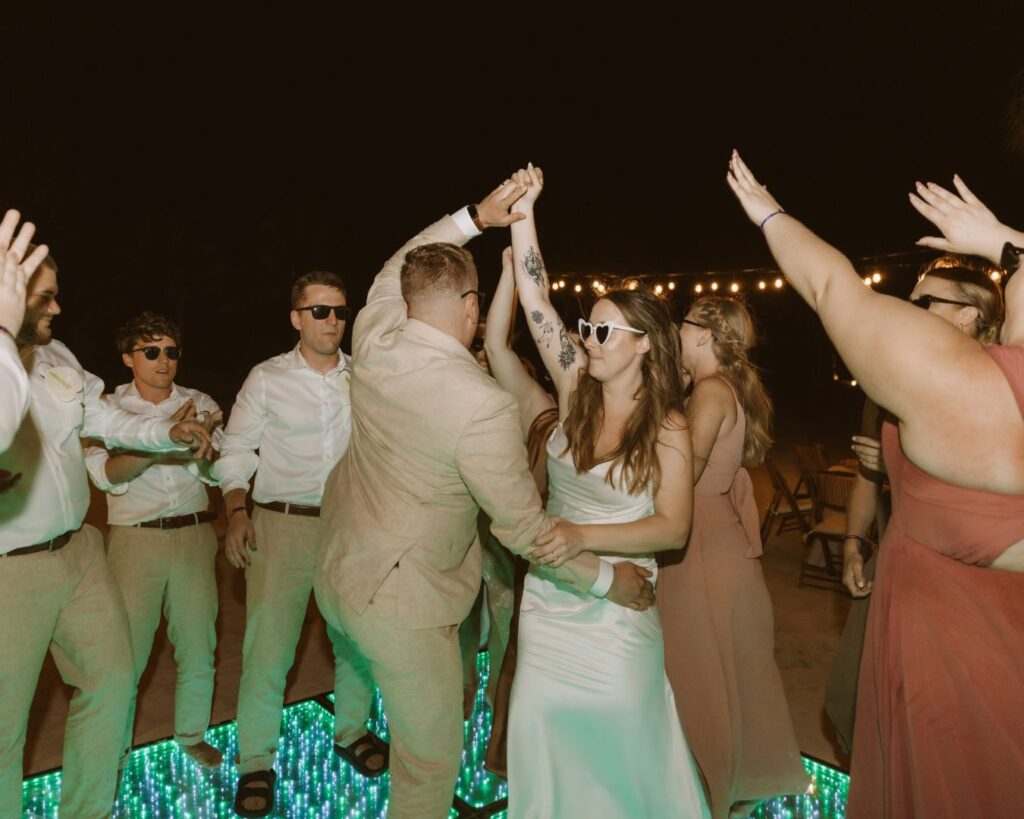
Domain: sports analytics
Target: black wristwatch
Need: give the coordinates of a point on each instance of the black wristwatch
(1010, 258)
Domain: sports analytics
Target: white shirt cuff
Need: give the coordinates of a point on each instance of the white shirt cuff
(465, 223)
(605, 578)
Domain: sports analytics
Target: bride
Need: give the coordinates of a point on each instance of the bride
(593, 729)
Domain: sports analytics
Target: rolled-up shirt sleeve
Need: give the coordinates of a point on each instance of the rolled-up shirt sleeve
(238, 459)
(13, 391)
(96, 458)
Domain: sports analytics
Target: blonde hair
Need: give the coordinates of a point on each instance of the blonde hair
(732, 336)
(974, 284)
(661, 392)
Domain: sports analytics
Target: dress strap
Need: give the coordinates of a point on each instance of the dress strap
(1010, 359)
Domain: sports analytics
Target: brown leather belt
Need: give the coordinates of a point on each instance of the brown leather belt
(291, 508)
(179, 521)
(54, 545)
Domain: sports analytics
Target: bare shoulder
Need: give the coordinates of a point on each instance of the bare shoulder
(675, 432)
(714, 390)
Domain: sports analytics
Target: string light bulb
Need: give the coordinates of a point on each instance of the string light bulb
(867, 281)
(734, 287)
(876, 277)
(698, 288)
(561, 284)
(778, 283)
(995, 275)
(714, 285)
(761, 285)
(671, 285)
(578, 288)
(658, 290)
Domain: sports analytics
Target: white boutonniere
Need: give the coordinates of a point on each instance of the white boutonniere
(64, 383)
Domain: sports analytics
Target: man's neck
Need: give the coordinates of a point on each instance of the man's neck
(318, 361)
(152, 394)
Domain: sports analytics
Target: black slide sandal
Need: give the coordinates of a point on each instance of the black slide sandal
(372, 745)
(247, 790)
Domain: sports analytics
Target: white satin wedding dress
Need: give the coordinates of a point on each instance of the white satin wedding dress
(593, 728)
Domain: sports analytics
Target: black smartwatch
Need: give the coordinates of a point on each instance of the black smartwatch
(1010, 259)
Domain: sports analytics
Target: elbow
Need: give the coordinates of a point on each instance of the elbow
(676, 536)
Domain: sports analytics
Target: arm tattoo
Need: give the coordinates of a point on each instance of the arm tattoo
(534, 267)
(547, 329)
(567, 353)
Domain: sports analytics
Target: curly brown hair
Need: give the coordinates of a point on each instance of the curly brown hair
(660, 393)
(146, 326)
(733, 334)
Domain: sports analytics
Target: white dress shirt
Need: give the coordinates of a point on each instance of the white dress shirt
(13, 391)
(52, 496)
(298, 418)
(162, 490)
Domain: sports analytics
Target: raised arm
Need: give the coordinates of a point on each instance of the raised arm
(505, 365)
(561, 355)
(668, 528)
(917, 366)
(385, 309)
(14, 275)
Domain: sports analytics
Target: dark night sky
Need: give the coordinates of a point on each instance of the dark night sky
(195, 163)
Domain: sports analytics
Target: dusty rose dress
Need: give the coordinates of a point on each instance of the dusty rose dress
(940, 708)
(719, 642)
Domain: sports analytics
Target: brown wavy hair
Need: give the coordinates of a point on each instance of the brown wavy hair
(973, 279)
(733, 335)
(661, 392)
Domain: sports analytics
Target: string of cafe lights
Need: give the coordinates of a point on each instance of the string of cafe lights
(874, 270)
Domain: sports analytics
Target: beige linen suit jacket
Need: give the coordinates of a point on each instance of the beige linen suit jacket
(433, 440)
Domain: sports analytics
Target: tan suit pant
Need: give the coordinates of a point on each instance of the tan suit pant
(171, 571)
(65, 602)
(420, 677)
(278, 585)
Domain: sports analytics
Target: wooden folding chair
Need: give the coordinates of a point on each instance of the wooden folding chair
(790, 511)
(830, 492)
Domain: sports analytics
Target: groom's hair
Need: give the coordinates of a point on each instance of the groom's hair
(436, 269)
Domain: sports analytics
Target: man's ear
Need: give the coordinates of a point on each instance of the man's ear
(127, 359)
(295, 320)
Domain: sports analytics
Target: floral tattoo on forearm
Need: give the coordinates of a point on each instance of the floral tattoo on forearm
(567, 352)
(533, 265)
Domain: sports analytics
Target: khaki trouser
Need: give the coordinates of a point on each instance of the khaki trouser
(278, 585)
(171, 571)
(420, 677)
(65, 602)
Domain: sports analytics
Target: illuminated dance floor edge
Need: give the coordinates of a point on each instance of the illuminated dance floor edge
(160, 782)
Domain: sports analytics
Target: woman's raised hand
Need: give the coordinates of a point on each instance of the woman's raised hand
(967, 225)
(533, 180)
(753, 196)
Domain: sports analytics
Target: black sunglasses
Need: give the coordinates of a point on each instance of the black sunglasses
(480, 296)
(153, 353)
(924, 302)
(322, 311)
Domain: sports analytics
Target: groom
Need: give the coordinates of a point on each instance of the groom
(433, 437)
